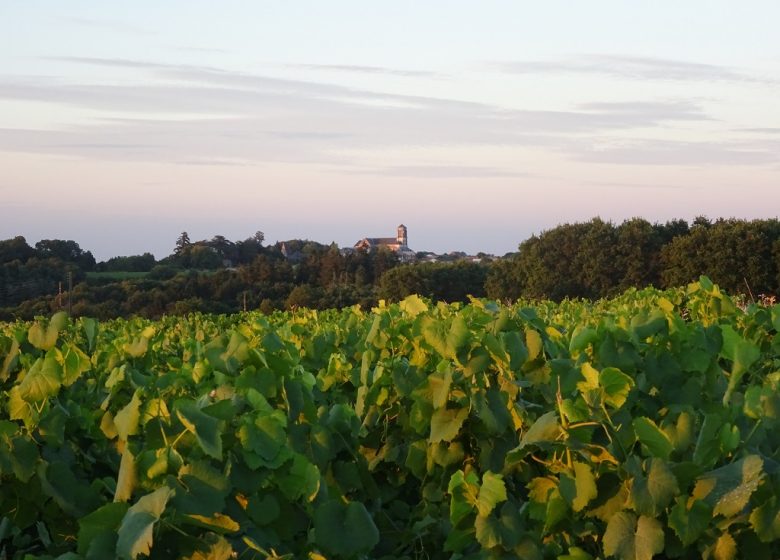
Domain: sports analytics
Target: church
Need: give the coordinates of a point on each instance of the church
(398, 244)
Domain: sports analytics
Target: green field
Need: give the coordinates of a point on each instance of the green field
(640, 427)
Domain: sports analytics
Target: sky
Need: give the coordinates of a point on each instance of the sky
(476, 124)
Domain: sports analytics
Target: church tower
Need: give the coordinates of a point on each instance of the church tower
(402, 237)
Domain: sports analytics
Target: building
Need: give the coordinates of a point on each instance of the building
(398, 244)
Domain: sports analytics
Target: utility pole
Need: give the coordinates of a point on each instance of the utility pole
(70, 289)
(244, 302)
(59, 296)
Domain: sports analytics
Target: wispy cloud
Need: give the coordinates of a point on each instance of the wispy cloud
(631, 67)
(369, 70)
(667, 152)
(761, 130)
(443, 171)
(210, 116)
(642, 186)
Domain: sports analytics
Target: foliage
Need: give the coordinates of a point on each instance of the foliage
(640, 427)
(598, 259)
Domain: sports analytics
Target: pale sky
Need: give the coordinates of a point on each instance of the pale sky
(476, 124)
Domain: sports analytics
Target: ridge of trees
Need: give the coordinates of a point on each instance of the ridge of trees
(590, 259)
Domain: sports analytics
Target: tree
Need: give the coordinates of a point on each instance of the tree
(15, 249)
(638, 254)
(66, 250)
(301, 296)
(182, 242)
(505, 279)
(225, 248)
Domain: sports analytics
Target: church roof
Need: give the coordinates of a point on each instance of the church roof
(380, 240)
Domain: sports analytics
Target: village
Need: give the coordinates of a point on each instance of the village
(400, 246)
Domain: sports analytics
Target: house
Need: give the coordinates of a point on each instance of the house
(398, 244)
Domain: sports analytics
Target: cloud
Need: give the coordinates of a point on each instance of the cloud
(665, 152)
(642, 186)
(369, 70)
(443, 172)
(209, 116)
(215, 163)
(761, 130)
(631, 67)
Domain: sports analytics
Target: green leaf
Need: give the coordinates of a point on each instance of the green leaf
(213, 547)
(73, 495)
(581, 338)
(136, 530)
(137, 347)
(20, 409)
(413, 305)
(491, 493)
(203, 489)
(616, 386)
(580, 489)
(575, 553)
(612, 500)
(546, 428)
(100, 525)
(74, 362)
(534, 343)
(203, 426)
(725, 548)
(126, 420)
(344, 530)
(265, 440)
(681, 432)
(22, 454)
(217, 522)
(707, 450)
(43, 336)
(301, 480)
(42, 380)
(645, 325)
(446, 340)
(629, 538)
(10, 360)
(439, 384)
(728, 489)
(689, 519)
(464, 490)
(650, 495)
(652, 437)
(446, 423)
(742, 353)
(90, 330)
(548, 503)
(515, 347)
(492, 408)
(765, 521)
(126, 477)
(263, 510)
(504, 530)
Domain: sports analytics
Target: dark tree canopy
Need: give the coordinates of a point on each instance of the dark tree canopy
(592, 259)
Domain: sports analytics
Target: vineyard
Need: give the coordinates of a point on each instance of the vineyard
(645, 426)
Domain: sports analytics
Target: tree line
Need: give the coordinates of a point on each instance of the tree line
(592, 260)
(598, 259)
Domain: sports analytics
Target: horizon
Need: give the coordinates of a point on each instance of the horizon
(268, 243)
(122, 126)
